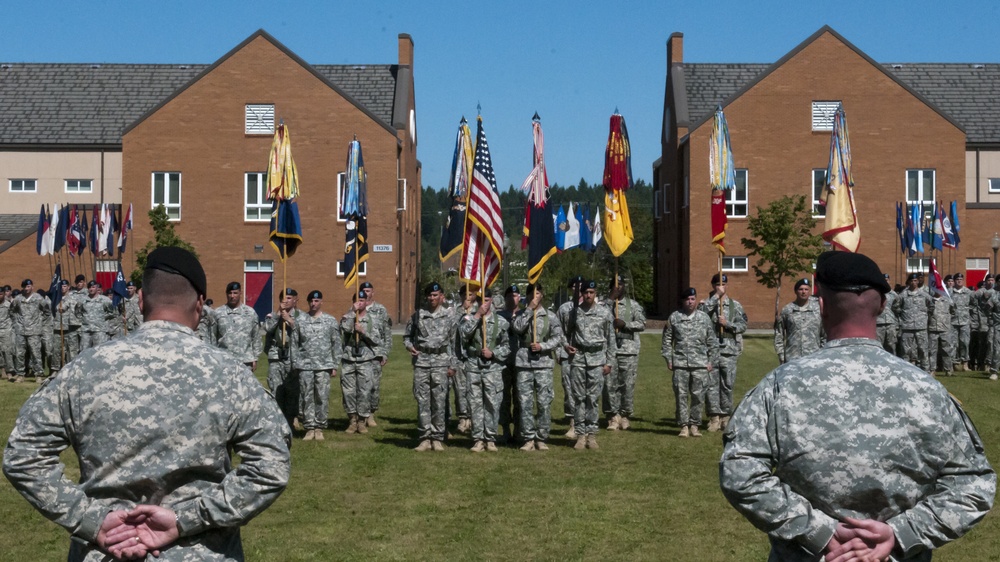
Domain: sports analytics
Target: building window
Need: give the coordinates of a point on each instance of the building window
(994, 185)
(920, 189)
(260, 119)
(818, 183)
(167, 192)
(918, 265)
(23, 186)
(687, 192)
(250, 266)
(256, 207)
(362, 269)
(656, 205)
(341, 217)
(79, 186)
(734, 263)
(737, 198)
(822, 115)
(666, 199)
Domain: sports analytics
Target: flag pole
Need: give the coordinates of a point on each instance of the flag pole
(357, 273)
(482, 294)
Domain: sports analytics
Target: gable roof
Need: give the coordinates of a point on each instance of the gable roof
(92, 105)
(965, 94)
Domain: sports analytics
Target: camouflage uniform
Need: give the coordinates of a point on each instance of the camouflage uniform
(940, 335)
(565, 372)
(722, 377)
(892, 446)
(458, 383)
(6, 337)
(962, 297)
(282, 379)
(913, 309)
(510, 411)
(133, 316)
(317, 345)
(65, 336)
(485, 376)
(594, 340)
(206, 325)
(534, 370)
(689, 345)
(799, 331)
(619, 384)
(152, 419)
(993, 362)
(433, 335)
(887, 325)
(237, 329)
(361, 355)
(97, 311)
(981, 336)
(29, 315)
(377, 310)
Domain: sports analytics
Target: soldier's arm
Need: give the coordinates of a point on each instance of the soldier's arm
(502, 348)
(667, 343)
(556, 338)
(638, 321)
(713, 343)
(779, 336)
(408, 333)
(738, 324)
(336, 342)
(256, 342)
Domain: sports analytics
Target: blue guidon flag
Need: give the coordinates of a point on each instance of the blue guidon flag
(282, 188)
(354, 206)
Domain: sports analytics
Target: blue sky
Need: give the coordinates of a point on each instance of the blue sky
(572, 62)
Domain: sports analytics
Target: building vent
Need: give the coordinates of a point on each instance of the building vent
(822, 115)
(978, 66)
(897, 67)
(95, 66)
(5, 67)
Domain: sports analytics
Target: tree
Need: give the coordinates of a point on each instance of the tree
(784, 242)
(163, 235)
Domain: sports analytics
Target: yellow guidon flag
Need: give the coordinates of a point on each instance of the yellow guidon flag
(841, 229)
(617, 225)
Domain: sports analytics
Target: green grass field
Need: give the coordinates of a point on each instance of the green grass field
(645, 495)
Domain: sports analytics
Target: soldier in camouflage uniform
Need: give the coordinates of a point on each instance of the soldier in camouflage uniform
(981, 298)
(510, 411)
(459, 383)
(377, 310)
(429, 337)
(889, 466)
(961, 321)
(730, 323)
(6, 334)
(940, 335)
(887, 325)
(153, 420)
(133, 316)
(97, 311)
(206, 324)
(691, 346)
(28, 312)
(484, 336)
(591, 348)
(65, 337)
(619, 385)
(539, 333)
(282, 379)
(575, 285)
(799, 331)
(913, 308)
(317, 347)
(365, 347)
(237, 328)
(993, 319)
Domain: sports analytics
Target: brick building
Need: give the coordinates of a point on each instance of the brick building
(201, 146)
(917, 132)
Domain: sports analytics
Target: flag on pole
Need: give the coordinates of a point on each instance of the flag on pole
(119, 288)
(111, 221)
(598, 234)
(81, 231)
(354, 206)
(539, 234)
(572, 237)
(842, 229)
(52, 233)
(55, 288)
(722, 172)
(458, 192)
(126, 228)
(936, 283)
(72, 234)
(937, 228)
(899, 227)
(62, 228)
(561, 226)
(954, 223)
(483, 237)
(617, 179)
(42, 238)
(916, 238)
(583, 218)
(95, 228)
(285, 232)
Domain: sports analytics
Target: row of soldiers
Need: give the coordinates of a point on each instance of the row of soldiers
(498, 355)
(39, 330)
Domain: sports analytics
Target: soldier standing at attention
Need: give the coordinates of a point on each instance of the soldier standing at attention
(458, 383)
(690, 345)
(619, 385)
(592, 357)
(941, 343)
(982, 337)
(282, 378)
(65, 337)
(429, 337)
(237, 328)
(540, 334)
(378, 311)
(6, 334)
(565, 315)
(28, 312)
(133, 316)
(913, 308)
(851, 453)
(962, 297)
(316, 344)
(730, 323)
(510, 413)
(993, 319)
(485, 338)
(799, 331)
(153, 420)
(97, 313)
(365, 335)
(887, 325)
(206, 324)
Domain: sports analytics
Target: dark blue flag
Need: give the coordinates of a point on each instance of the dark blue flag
(286, 228)
(55, 289)
(262, 306)
(119, 289)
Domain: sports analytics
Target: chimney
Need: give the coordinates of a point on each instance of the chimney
(405, 50)
(675, 48)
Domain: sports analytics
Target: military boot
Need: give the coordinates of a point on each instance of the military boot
(695, 432)
(362, 425)
(684, 431)
(529, 445)
(370, 422)
(491, 446)
(714, 424)
(318, 435)
(541, 446)
(353, 426)
(479, 447)
(581, 442)
(725, 423)
(424, 445)
(572, 430)
(310, 435)
(592, 442)
(437, 445)
(613, 423)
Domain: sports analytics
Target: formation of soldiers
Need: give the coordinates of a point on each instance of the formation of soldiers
(40, 332)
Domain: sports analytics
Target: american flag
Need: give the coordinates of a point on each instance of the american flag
(482, 244)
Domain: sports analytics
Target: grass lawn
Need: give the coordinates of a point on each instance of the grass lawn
(645, 495)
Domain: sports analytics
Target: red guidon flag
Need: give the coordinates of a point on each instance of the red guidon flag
(719, 220)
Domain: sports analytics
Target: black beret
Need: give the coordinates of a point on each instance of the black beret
(848, 271)
(948, 278)
(92, 284)
(510, 290)
(532, 287)
(957, 275)
(616, 280)
(64, 283)
(804, 281)
(715, 279)
(589, 284)
(26, 282)
(362, 295)
(6, 288)
(988, 277)
(79, 278)
(233, 286)
(315, 295)
(432, 287)
(367, 285)
(911, 277)
(689, 292)
(291, 292)
(574, 280)
(179, 261)
(130, 284)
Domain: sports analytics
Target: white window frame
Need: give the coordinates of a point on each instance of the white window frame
(666, 199)
(401, 185)
(977, 264)
(258, 266)
(816, 191)
(735, 263)
(258, 119)
(993, 185)
(341, 177)
(925, 199)
(170, 207)
(362, 269)
(263, 207)
(23, 185)
(79, 186)
(656, 206)
(733, 204)
(918, 265)
(822, 115)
